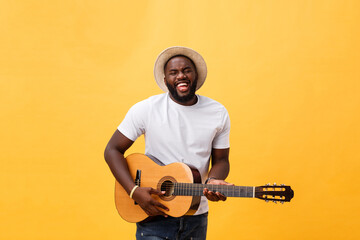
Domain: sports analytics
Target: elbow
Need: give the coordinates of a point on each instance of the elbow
(111, 153)
(106, 154)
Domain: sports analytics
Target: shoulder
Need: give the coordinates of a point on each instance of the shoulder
(157, 98)
(211, 104)
(148, 102)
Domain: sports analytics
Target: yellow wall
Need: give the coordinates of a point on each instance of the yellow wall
(288, 72)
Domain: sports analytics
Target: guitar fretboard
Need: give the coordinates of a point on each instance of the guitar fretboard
(196, 189)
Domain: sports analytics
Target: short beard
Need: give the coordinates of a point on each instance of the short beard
(185, 98)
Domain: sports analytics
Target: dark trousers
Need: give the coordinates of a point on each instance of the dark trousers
(181, 228)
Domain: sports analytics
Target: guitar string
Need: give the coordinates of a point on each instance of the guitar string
(191, 189)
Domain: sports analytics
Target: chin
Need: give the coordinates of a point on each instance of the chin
(179, 96)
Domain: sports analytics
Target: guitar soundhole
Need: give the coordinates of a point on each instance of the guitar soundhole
(167, 184)
(168, 187)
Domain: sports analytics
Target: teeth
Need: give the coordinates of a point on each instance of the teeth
(182, 84)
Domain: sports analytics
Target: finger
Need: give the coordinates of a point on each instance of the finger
(209, 194)
(160, 205)
(221, 182)
(221, 196)
(216, 196)
(205, 191)
(226, 183)
(152, 210)
(147, 212)
(212, 196)
(157, 211)
(156, 192)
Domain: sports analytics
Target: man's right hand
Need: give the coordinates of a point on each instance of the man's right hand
(142, 195)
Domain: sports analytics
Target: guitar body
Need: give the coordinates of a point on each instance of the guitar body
(153, 175)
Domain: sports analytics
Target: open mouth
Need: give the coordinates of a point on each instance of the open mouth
(183, 86)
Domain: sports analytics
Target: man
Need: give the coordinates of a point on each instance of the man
(179, 126)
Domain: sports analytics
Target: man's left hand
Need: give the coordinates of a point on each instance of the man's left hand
(215, 196)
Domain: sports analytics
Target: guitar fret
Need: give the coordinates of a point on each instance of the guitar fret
(196, 189)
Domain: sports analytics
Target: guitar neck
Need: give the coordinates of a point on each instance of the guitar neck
(196, 189)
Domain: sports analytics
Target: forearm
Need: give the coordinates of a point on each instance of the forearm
(220, 165)
(119, 168)
(219, 170)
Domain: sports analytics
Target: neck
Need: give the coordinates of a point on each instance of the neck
(190, 102)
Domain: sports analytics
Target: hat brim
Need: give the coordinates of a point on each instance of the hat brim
(165, 55)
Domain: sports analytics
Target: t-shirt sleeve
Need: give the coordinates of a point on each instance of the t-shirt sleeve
(133, 125)
(222, 137)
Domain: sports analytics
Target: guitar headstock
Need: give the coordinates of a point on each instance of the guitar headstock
(274, 193)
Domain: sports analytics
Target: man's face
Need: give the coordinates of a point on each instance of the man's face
(181, 79)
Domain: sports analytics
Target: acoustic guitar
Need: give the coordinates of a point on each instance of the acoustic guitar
(183, 188)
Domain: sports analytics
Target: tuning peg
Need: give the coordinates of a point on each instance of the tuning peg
(274, 184)
(267, 201)
(275, 202)
(268, 184)
(282, 185)
(282, 202)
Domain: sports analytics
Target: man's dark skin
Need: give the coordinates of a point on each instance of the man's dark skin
(181, 75)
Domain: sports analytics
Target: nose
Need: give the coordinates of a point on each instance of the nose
(181, 75)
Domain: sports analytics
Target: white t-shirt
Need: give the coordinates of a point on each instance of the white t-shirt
(177, 133)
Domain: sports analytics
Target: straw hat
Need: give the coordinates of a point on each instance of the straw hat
(165, 55)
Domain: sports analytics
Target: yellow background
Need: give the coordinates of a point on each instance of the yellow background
(287, 71)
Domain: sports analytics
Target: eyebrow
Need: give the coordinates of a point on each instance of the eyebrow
(183, 68)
